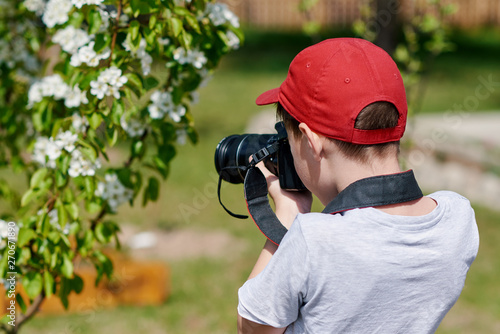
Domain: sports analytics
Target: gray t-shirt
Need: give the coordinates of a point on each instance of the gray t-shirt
(365, 271)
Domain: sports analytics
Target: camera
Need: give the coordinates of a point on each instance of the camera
(233, 152)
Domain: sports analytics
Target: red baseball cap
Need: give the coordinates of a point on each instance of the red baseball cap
(329, 83)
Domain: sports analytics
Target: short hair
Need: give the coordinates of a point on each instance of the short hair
(378, 115)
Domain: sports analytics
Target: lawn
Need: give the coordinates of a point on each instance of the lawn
(204, 295)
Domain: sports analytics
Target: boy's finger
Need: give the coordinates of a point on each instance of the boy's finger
(264, 169)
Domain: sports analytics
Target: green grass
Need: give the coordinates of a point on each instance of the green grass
(204, 295)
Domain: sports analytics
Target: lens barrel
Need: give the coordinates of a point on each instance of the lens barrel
(233, 152)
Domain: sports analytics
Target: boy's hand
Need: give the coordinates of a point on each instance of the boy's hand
(288, 203)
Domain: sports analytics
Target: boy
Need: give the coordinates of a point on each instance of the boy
(391, 267)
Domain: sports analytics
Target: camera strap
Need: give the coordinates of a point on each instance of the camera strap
(256, 158)
(368, 192)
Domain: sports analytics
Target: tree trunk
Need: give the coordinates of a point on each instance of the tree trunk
(388, 24)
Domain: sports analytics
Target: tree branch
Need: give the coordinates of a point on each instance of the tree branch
(127, 163)
(115, 31)
(32, 309)
(97, 219)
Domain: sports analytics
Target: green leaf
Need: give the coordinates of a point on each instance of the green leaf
(32, 283)
(24, 257)
(77, 284)
(153, 188)
(161, 167)
(53, 259)
(48, 283)
(117, 111)
(92, 207)
(176, 26)
(181, 11)
(25, 235)
(152, 22)
(134, 29)
(166, 153)
(103, 232)
(101, 42)
(54, 236)
(65, 239)
(89, 153)
(56, 127)
(138, 148)
(150, 83)
(95, 120)
(20, 302)
(72, 209)
(142, 6)
(67, 267)
(89, 184)
(64, 290)
(125, 177)
(61, 178)
(134, 83)
(62, 215)
(193, 135)
(95, 21)
(28, 197)
(3, 265)
(192, 21)
(186, 39)
(112, 135)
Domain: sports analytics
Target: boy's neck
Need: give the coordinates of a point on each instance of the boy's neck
(343, 172)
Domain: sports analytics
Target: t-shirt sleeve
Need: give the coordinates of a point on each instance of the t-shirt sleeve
(275, 296)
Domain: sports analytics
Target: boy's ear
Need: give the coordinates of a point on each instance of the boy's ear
(314, 141)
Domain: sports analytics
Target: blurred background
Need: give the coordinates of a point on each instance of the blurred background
(452, 142)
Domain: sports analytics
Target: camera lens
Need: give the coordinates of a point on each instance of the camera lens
(233, 152)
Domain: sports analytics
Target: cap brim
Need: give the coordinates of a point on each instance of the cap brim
(269, 97)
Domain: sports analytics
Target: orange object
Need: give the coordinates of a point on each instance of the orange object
(134, 282)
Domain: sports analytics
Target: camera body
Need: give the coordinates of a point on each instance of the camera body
(233, 152)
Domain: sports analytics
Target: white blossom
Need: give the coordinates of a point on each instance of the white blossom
(113, 191)
(108, 83)
(146, 62)
(99, 89)
(35, 6)
(177, 112)
(35, 94)
(220, 14)
(79, 123)
(71, 39)
(87, 55)
(181, 136)
(233, 40)
(46, 151)
(54, 86)
(81, 165)
(56, 12)
(105, 18)
(51, 86)
(54, 221)
(81, 3)
(205, 77)
(75, 97)
(162, 104)
(66, 140)
(194, 57)
(164, 41)
(4, 233)
(133, 127)
(141, 54)
(53, 149)
(155, 112)
(113, 76)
